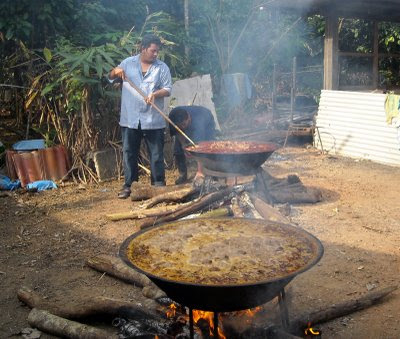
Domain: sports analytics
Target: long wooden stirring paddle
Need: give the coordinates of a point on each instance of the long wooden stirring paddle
(159, 111)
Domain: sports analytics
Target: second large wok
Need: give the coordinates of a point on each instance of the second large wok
(220, 297)
(240, 157)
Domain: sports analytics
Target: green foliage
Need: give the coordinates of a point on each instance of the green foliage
(355, 35)
(37, 22)
(61, 51)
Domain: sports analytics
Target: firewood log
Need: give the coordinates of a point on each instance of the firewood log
(193, 207)
(143, 192)
(143, 213)
(275, 332)
(267, 211)
(90, 306)
(173, 196)
(117, 268)
(310, 196)
(217, 213)
(298, 325)
(153, 292)
(65, 328)
(236, 210)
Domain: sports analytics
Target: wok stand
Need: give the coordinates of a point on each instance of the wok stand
(225, 175)
(283, 312)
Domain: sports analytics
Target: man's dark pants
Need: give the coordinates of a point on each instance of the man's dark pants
(154, 140)
(180, 158)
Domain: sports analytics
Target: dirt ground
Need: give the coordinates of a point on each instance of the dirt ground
(45, 239)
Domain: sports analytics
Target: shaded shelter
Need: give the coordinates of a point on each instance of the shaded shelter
(373, 11)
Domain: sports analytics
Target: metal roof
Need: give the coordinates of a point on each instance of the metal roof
(354, 124)
(43, 164)
(380, 10)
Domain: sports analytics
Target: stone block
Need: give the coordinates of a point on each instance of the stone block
(108, 163)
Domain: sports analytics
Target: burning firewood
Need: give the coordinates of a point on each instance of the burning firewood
(248, 207)
(143, 192)
(195, 206)
(339, 310)
(65, 328)
(89, 306)
(237, 211)
(267, 211)
(144, 328)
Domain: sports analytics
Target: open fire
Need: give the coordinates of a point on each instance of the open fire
(204, 320)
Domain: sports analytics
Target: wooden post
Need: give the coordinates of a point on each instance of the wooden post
(274, 93)
(331, 59)
(186, 20)
(293, 89)
(375, 67)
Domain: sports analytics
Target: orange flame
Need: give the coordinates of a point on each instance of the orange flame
(310, 331)
(171, 311)
(247, 315)
(251, 312)
(209, 317)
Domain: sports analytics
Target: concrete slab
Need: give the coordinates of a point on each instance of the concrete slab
(193, 91)
(108, 163)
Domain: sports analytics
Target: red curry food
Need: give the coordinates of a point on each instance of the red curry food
(220, 251)
(232, 147)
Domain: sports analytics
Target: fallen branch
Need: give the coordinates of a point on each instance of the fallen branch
(90, 306)
(193, 207)
(65, 328)
(115, 267)
(143, 192)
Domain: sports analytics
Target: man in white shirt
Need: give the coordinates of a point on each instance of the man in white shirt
(139, 120)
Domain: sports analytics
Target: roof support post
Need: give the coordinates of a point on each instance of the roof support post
(331, 47)
(375, 70)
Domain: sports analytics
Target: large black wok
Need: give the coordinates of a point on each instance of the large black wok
(227, 298)
(240, 157)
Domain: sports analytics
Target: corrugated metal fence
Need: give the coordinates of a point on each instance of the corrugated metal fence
(354, 124)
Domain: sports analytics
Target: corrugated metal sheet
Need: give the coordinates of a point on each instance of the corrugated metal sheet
(354, 124)
(44, 164)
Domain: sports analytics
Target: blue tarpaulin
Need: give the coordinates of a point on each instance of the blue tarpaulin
(29, 145)
(7, 184)
(41, 185)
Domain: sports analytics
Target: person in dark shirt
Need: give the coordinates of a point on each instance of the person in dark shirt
(198, 124)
